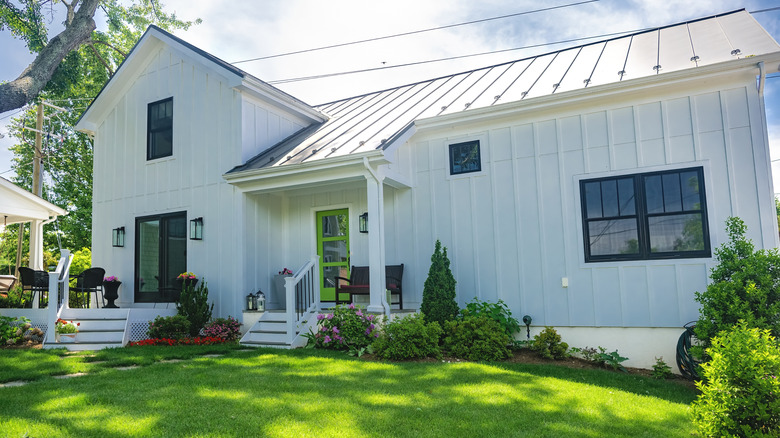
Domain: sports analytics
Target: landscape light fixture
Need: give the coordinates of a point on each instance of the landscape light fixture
(527, 321)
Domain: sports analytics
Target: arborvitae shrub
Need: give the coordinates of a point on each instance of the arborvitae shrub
(548, 344)
(739, 393)
(193, 304)
(438, 303)
(409, 338)
(744, 287)
(477, 338)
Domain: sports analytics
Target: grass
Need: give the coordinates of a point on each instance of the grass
(314, 393)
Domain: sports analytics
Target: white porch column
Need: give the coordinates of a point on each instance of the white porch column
(376, 229)
(36, 245)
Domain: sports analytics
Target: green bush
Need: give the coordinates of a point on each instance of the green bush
(476, 338)
(347, 328)
(498, 312)
(193, 304)
(409, 338)
(548, 344)
(661, 370)
(16, 298)
(438, 303)
(740, 393)
(169, 327)
(745, 286)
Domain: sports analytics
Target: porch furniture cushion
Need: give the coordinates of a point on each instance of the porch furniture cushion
(6, 283)
(34, 282)
(90, 281)
(358, 283)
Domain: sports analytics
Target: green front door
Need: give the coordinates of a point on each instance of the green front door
(333, 249)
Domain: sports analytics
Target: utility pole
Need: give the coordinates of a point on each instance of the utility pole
(36, 183)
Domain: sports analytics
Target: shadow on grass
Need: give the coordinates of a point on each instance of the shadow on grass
(313, 393)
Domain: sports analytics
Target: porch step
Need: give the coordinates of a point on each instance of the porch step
(98, 329)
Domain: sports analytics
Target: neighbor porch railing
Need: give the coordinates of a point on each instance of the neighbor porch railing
(303, 295)
(58, 293)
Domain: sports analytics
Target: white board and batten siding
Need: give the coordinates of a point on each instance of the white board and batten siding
(514, 230)
(210, 137)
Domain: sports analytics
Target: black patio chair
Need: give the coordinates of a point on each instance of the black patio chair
(33, 282)
(90, 281)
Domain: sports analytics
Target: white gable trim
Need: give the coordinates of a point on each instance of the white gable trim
(19, 205)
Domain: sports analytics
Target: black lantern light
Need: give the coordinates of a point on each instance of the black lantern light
(251, 302)
(196, 229)
(527, 321)
(363, 222)
(118, 237)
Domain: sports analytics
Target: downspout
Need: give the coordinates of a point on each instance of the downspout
(380, 183)
(762, 104)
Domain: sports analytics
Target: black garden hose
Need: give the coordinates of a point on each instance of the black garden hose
(685, 361)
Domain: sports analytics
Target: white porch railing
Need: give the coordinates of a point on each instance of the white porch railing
(58, 293)
(303, 295)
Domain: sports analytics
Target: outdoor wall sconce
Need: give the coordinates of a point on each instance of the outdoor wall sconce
(118, 237)
(196, 229)
(363, 222)
(527, 321)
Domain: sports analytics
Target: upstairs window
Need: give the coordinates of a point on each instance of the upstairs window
(658, 215)
(160, 129)
(464, 158)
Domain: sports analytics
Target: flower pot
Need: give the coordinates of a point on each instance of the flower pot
(111, 293)
(67, 338)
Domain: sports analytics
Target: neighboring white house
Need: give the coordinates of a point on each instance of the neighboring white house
(586, 188)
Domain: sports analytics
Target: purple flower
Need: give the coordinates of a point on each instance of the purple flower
(368, 332)
(371, 327)
(322, 328)
(327, 339)
(330, 316)
(320, 317)
(370, 317)
(359, 313)
(335, 329)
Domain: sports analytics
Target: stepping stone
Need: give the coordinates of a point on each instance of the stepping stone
(171, 361)
(126, 368)
(212, 356)
(68, 376)
(11, 384)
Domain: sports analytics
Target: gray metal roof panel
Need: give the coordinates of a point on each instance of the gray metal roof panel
(366, 122)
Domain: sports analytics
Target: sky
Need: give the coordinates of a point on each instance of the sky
(238, 30)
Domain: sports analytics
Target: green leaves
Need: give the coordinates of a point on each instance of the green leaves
(438, 302)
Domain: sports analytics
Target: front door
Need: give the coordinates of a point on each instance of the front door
(333, 249)
(160, 256)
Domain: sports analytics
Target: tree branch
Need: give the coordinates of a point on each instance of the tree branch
(91, 41)
(100, 58)
(33, 79)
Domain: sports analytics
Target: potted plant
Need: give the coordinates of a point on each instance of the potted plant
(111, 291)
(185, 278)
(65, 331)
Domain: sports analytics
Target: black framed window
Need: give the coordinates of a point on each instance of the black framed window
(656, 215)
(464, 157)
(159, 128)
(160, 256)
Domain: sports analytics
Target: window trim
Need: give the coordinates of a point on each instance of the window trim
(642, 218)
(460, 143)
(149, 131)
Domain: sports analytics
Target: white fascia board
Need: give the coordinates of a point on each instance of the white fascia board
(305, 170)
(617, 90)
(136, 61)
(274, 96)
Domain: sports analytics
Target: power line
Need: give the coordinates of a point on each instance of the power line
(326, 75)
(415, 32)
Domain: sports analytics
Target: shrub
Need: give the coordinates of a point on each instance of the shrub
(193, 304)
(498, 312)
(614, 360)
(409, 338)
(739, 393)
(661, 370)
(228, 329)
(438, 303)
(744, 287)
(16, 330)
(347, 328)
(16, 298)
(590, 354)
(169, 327)
(476, 338)
(548, 344)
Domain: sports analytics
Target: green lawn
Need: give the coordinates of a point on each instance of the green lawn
(322, 394)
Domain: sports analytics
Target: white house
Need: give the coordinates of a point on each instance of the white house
(586, 187)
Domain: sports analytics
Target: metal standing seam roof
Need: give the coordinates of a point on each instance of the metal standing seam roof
(365, 123)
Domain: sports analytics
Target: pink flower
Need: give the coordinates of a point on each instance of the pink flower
(330, 316)
(335, 330)
(351, 306)
(320, 317)
(327, 339)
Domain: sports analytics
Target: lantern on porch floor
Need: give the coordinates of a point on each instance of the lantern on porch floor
(251, 302)
(260, 301)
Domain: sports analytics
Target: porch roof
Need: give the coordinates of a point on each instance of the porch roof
(374, 121)
(19, 205)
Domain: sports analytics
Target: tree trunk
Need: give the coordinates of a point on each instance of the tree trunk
(33, 79)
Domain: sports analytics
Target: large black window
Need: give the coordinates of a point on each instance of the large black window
(464, 157)
(160, 129)
(654, 215)
(160, 256)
